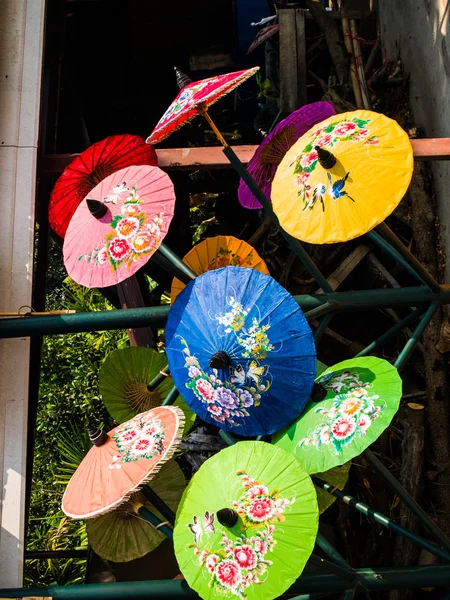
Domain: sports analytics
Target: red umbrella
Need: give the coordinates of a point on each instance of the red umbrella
(89, 168)
(194, 98)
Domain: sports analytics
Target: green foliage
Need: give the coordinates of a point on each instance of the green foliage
(68, 399)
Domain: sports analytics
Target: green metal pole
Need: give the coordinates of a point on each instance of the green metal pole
(156, 316)
(173, 258)
(332, 568)
(173, 589)
(158, 503)
(331, 552)
(415, 314)
(381, 519)
(294, 244)
(227, 437)
(320, 311)
(321, 328)
(412, 342)
(151, 518)
(387, 233)
(160, 260)
(384, 245)
(407, 499)
(171, 397)
(162, 375)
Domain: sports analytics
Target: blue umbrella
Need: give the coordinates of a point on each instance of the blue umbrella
(240, 351)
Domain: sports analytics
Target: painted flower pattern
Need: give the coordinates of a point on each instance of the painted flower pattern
(335, 132)
(255, 342)
(234, 319)
(224, 400)
(131, 235)
(243, 562)
(137, 439)
(352, 413)
(225, 258)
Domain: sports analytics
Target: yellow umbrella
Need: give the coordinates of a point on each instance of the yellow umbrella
(216, 252)
(342, 178)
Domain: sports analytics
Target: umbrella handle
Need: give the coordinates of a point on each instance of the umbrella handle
(227, 517)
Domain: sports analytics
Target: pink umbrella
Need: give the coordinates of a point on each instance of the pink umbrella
(268, 155)
(118, 226)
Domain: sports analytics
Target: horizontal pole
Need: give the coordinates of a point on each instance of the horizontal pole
(173, 589)
(156, 316)
(188, 159)
(380, 518)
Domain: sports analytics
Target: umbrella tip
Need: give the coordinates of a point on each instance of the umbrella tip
(182, 79)
(219, 360)
(96, 208)
(227, 517)
(326, 159)
(97, 436)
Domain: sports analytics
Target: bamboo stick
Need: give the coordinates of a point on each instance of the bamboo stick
(359, 66)
(349, 47)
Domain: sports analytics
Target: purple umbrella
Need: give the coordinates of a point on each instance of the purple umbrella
(264, 162)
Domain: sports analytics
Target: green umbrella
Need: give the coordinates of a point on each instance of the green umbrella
(337, 477)
(246, 524)
(362, 396)
(123, 381)
(123, 535)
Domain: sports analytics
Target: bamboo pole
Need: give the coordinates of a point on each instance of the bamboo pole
(359, 66)
(349, 47)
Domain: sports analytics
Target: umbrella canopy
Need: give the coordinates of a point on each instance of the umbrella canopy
(363, 395)
(118, 227)
(263, 164)
(240, 351)
(122, 535)
(194, 96)
(216, 252)
(89, 168)
(246, 524)
(121, 461)
(123, 380)
(342, 178)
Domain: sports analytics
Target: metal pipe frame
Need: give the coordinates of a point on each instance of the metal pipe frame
(175, 260)
(413, 340)
(158, 379)
(381, 519)
(171, 397)
(158, 503)
(378, 579)
(156, 316)
(407, 499)
(293, 243)
(415, 314)
(390, 236)
(153, 519)
(384, 245)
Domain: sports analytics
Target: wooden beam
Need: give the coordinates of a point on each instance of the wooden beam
(431, 148)
(190, 159)
(292, 59)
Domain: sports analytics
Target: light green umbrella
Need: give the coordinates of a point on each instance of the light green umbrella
(246, 524)
(123, 381)
(362, 396)
(123, 535)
